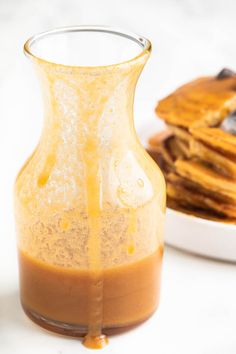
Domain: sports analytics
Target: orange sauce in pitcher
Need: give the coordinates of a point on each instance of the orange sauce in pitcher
(130, 293)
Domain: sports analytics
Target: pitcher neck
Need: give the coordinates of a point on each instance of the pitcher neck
(92, 105)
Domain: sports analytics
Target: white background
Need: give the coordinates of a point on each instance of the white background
(197, 314)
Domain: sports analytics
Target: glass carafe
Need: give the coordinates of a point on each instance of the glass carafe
(89, 202)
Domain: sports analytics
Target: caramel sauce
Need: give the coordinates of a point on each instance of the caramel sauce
(130, 294)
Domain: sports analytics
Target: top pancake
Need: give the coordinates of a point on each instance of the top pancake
(204, 102)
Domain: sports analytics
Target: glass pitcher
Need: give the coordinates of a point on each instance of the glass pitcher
(89, 202)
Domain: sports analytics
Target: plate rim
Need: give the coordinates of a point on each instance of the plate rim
(201, 220)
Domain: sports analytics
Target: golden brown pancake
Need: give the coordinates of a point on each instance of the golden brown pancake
(217, 139)
(175, 179)
(206, 177)
(188, 197)
(204, 102)
(177, 148)
(217, 160)
(166, 144)
(180, 133)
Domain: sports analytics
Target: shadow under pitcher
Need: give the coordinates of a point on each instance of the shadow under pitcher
(89, 202)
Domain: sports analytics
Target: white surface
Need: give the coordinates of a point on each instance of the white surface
(190, 38)
(204, 237)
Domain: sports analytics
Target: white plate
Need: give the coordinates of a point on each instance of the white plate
(189, 233)
(204, 237)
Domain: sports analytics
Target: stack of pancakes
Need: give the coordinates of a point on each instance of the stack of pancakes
(197, 151)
